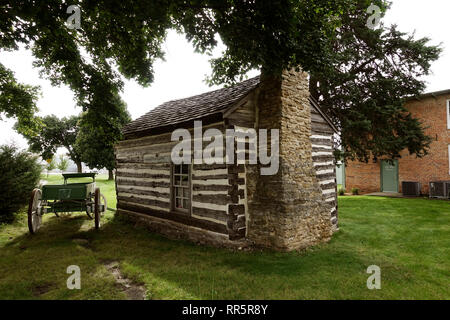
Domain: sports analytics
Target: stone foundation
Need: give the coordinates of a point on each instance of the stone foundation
(178, 231)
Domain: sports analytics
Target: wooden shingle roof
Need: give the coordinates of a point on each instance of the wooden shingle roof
(196, 107)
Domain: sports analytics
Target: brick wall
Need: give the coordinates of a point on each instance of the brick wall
(364, 176)
(434, 167)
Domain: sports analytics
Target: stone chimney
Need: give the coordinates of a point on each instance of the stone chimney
(286, 211)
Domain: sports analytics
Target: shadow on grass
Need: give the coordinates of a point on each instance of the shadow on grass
(174, 269)
(52, 230)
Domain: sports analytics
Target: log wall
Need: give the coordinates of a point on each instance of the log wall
(144, 186)
(324, 161)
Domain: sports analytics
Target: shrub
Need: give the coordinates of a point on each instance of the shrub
(20, 174)
(63, 163)
(51, 165)
(355, 191)
(341, 191)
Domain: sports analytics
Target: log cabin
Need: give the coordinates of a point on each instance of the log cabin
(233, 204)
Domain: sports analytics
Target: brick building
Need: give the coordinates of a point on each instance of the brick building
(433, 109)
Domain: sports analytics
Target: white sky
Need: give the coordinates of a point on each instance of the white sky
(183, 72)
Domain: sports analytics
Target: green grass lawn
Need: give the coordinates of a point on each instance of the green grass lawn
(409, 239)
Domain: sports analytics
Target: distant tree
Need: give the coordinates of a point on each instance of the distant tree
(97, 136)
(63, 163)
(53, 134)
(51, 165)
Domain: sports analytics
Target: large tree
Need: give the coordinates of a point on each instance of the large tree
(52, 134)
(364, 87)
(130, 35)
(97, 136)
(266, 35)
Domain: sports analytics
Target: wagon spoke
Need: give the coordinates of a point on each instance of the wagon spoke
(34, 217)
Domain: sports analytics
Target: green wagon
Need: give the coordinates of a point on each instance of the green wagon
(68, 197)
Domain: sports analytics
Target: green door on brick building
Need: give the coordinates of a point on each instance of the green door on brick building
(389, 176)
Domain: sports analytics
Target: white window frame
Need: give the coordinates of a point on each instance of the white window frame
(448, 114)
(174, 186)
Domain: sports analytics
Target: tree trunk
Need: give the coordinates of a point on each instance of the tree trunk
(111, 175)
(79, 167)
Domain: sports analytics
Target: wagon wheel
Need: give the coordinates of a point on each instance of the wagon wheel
(34, 215)
(104, 203)
(89, 214)
(97, 213)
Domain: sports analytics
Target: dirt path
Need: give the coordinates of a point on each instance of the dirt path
(132, 290)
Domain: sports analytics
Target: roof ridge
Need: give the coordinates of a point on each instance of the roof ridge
(206, 104)
(210, 92)
(193, 107)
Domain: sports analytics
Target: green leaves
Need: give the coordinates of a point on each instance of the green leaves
(20, 175)
(272, 36)
(98, 133)
(89, 138)
(18, 100)
(364, 86)
(128, 37)
(52, 134)
(363, 73)
(63, 163)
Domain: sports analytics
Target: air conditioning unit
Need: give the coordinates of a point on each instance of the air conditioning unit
(447, 189)
(440, 189)
(411, 189)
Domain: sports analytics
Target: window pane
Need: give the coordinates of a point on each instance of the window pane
(181, 192)
(178, 203)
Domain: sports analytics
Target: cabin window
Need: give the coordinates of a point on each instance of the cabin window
(181, 188)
